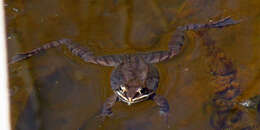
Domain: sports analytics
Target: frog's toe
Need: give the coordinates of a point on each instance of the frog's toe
(165, 116)
(225, 22)
(101, 117)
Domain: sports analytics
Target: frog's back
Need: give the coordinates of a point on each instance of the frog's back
(134, 70)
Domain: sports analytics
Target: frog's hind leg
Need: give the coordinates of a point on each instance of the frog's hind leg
(23, 56)
(83, 53)
(177, 40)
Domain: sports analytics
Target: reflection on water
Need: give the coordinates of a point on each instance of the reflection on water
(56, 90)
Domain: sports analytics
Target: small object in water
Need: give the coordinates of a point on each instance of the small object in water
(247, 103)
(15, 9)
(253, 102)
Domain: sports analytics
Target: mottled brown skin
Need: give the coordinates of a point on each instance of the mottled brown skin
(227, 88)
(226, 113)
(132, 71)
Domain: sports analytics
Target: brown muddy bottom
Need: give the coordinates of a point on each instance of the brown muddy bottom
(58, 91)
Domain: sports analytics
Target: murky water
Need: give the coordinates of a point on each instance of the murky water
(58, 91)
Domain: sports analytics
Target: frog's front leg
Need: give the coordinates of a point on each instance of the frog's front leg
(164, 107)
(83, 53)
(177, 40)
(107, 107)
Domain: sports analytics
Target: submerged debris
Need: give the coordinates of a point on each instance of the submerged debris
(15, 9)
(253, 103)
(226, 113)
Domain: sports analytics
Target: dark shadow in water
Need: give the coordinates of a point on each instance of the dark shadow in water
(226, 113)
(28, 120)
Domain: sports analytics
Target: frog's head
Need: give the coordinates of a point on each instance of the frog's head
(133, 94)
(133, 89)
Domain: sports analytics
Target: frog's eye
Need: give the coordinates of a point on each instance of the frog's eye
(123, 88)
(139, 91)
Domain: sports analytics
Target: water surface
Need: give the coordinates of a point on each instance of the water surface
(58, 91)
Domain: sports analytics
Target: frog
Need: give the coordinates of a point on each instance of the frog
(135, 78)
